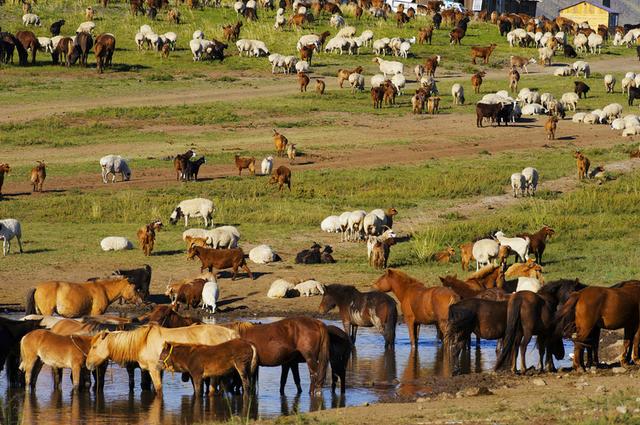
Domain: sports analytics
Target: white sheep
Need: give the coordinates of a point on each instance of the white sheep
(377, 80)
(280, 19)
(531, 177)
(88, 27)
(338, 45)
(380, 47)
(545, 54)
(518, 245)
(518, 184)
(139, 40)
(263, 254)
(115, 243)
(403, 51)
(46, 45)
(336, 21)
(280, 288)
(399, 81)
(331, 224)
(223, 237)
(630, 131)
(581, 67)
(595, 43)
(546, 98)
(533, 109)
(631, 120)
(238, 7)
(198, 47)
(277, 61)
(266, 166)
(356, 81)
(563, 71)
(356, 224)
(609, 83)
(457, 92)
(258, 48)
(290, 62)
(10, 228)
(580, 41)
(31, 19)
(198, 34)
(484, 251)
(344, 224)
(210, 293)
(366, 37)
(195, 233)
(591, 118)
(171, 38)
(190, 208)
(570, 100)
(309, 288)
(113, 164)
(302, 66)
(243, 46)
(612, 111)
(389, 67)
(308, 39)
(618, 124)
(578, 117)
(627, 83)
(347, 32)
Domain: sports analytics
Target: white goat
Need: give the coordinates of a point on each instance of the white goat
(113, 164)
(266, 166)
(518, 245)
(484, 251)
(518, 184)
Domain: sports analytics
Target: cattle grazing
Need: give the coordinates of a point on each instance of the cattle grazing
(482, 52)
(220, 259)
(581, 89)
(38, 174)
(550, 127)
(282, 176)
(484, 110)
(244, 162)
(103, 49)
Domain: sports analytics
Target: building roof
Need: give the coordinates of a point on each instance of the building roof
(599, 6)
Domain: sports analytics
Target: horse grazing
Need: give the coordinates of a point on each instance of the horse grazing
(11, 332)
(281, 342)
(141, 277)
(340, 348)
(70, 299)
(144, 345)
(45, 347)
(212, 361)
(594, 308)
(370, 309)
(419, 305)
(167, 317)
(486, 318)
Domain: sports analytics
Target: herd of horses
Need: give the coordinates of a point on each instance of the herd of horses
(226, 357)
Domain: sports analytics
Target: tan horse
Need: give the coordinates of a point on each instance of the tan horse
(420, 305)
(60, 352)
(80, 299)
(145, 344)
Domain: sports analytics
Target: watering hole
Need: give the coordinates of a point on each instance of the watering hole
(373, 375)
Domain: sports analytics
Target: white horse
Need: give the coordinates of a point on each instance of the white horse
(113, 164)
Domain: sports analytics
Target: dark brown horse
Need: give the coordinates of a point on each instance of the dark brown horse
(595, 308)
(281, 343)
(340, 348)
(370, 309)
(420, 305)
(11, 332)
(165, 316)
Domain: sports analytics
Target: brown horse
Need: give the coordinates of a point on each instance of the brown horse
(419, 305)
(461, 288)
(167, 317)
(45, 347)
(371, 309)
(487, 277)
(212, 361)
(80, 299)
(595, 308)
(11, 332)
(143, 345)
(282, 342)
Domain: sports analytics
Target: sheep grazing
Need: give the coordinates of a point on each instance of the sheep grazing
(38, 174)
(356, 81)
(444, 256)
(563, 71)
(581, 67)
(115, 243)
(282, 176)
(582, 164)
(10, 228)
(147, 236)
(331, 224)
(280, 288)
(190, 208)
(266, 166)
(344, 74)
(263, 254)
(544, 56)
(609, 83)
(376, 221)
(320, 86)
(484, 251)
(245, 162)
(389, 67)
(550, 127)
(531, 178)
(569, 100)
(518, 184)
(31, 19)
(280, 142)
(210, 293)
(114, 164)
(457, 92)
(302, 66)
(309, 288)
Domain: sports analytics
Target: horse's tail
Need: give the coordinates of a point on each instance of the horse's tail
(566, 316)
(460, 321)
(390, 326)
(31, 302)
(513, 323)
(254, 360)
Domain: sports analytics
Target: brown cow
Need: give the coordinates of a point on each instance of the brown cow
(220, 259)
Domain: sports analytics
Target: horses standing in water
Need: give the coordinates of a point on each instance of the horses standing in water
(80, 299)
(370, 309)
(420, 305)
(11, 332)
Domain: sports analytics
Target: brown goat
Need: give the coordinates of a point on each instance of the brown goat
(476, 81)
(89, 13)
(165, 51)
(189, 293)
(583, 164)
(550, 127)
(343, 74)
(521, 62)
(482, 52)
(282, 176)
(303, 81)
(298, 20)
(444, 256)
(425, 35)
(232, 32)
(244, 162)
(306, 52)
(390, 93)
(220, 259)
(377, 96)
(38, 174)
(514, 79)
(173, 16)
(358, 12)
(380, 253)
(466, 255)
(431, 64)
(538, 241)
(401, 19)
(193, 240)
(147, 236)
(280, 142)
(320, 86)
(433, 105)
(4, 169)
(456, 36)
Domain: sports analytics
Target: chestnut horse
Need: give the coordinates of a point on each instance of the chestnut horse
(371, 309)
(419, 305)
(282, 342)
(79, 299)
(166, 316)
(595, 308)
(463, 289)
(487, 277)
(143, 345)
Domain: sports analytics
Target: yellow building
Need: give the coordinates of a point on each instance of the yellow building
(592, 13)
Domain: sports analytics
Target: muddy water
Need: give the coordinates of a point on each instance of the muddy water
(372, 376)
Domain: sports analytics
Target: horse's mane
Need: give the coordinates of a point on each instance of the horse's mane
(405, 278)
(483, 272)
(125, 345)
(239, 327)
(97, 324)
(459, 287)
(340, 290)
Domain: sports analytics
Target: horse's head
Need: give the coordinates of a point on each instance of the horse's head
(327, 303)
(192, 252)
(99, 351)
(131, 295)
(383, 284)
(528, 269)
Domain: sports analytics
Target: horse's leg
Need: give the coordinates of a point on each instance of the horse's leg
(131, 372)
(523, 350)
(35, 370)
(145, 380)
(283, 377)
(541, 343)
(56, 373)
(196, 378)
(76, 376)
(629, 336)
(354, 333)
(295, 371)
(156, 378)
